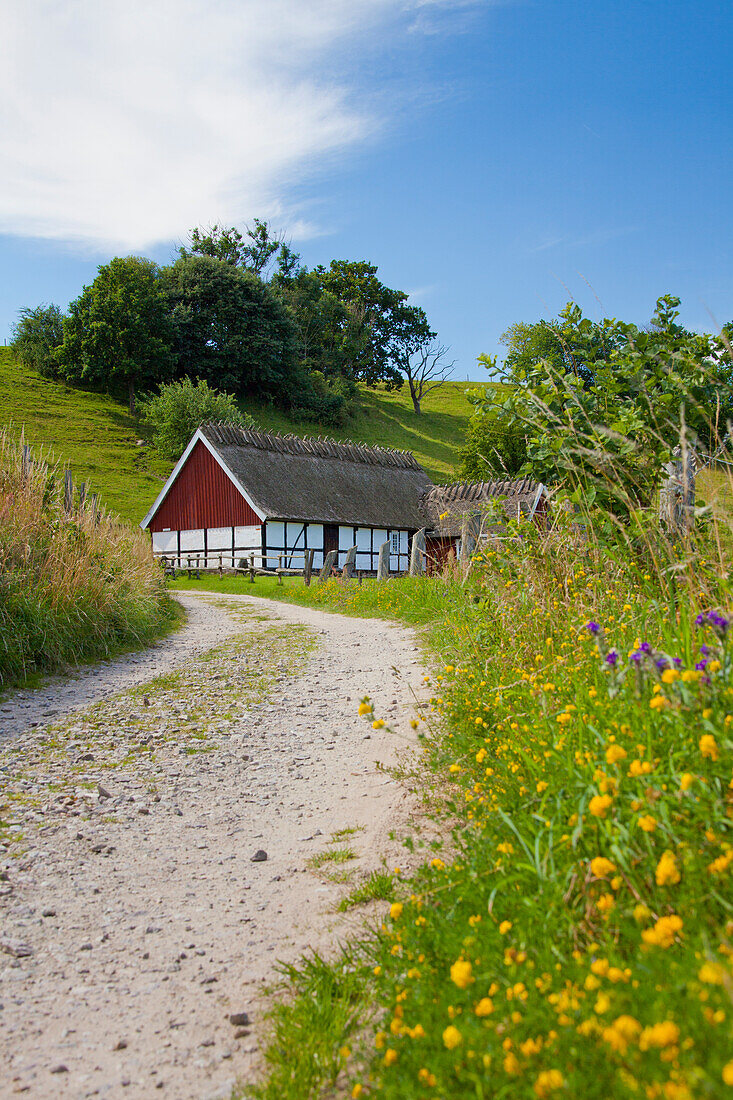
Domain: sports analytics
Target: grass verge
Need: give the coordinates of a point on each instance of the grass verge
(579, 941)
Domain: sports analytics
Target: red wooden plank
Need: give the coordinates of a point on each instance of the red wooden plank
(202, 496)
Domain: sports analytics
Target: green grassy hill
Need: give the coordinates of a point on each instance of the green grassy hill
(98, 438)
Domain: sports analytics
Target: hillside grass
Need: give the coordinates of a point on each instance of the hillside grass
(97, 437)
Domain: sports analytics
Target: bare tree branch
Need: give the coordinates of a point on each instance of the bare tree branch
(425, 367)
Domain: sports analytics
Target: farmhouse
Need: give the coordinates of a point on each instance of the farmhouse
(236, 492)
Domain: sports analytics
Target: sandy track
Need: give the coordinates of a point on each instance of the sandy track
(146, 921)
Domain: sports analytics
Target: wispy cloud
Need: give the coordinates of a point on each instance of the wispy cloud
(595, 237)
(126, 122)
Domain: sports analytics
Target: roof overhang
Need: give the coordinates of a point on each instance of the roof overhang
(200, 437)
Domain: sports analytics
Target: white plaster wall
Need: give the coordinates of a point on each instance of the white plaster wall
(219, 538)
(315, 536)
(165, 542)
(249, 538)
(346, 538)
(192, 540)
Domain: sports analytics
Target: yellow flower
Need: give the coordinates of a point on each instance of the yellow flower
(414, 723)
(602, 867)
(690, 676)
(505, 926)
(658, 702)
(664, 1034)
(395, 910)
(378, 724)
(667, 873)
(711, 973)
(443, 515)
(709, 746)
(714, 666)
(686, 781)
(605, 903)
(345, 1052)
(564, 718)
(437, 863)
(548, 1081)
(670, 675)
(599, 804)
(452, 1037)
(460, 973)
(663, 932)
(642, 913)
(647, 823)
(485, 1007)
(614, 753)
(454, 769)
(728, 1073)
(426, 1077)
(357, 1091)
(511, 1064)
(390, 1056)
(541, 786)
(365, 708)
(640, 767)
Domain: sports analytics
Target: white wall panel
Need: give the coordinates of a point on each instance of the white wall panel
(315, 536)
(364, 538)
(165, 542)
(248, 538)
(219, 538)
(192, 540)
(275, 533)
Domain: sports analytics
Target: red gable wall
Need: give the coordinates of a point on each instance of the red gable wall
(202, 496)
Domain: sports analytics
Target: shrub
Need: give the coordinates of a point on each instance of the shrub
(178, 409)
(73, 585)
(36, 336)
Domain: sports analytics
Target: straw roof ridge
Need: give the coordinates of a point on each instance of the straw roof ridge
(232, 435)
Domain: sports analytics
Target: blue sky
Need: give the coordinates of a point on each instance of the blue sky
(493, 158)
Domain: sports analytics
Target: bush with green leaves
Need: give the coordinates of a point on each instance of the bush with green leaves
(36, 336)
(175, 412)
(492, 449)
(603, 419)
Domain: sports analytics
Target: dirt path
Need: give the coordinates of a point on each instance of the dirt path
(133, 920)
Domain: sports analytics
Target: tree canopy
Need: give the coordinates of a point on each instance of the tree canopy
(178, 408)
(117, 334)
(36, 336)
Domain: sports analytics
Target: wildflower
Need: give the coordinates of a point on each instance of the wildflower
(564, 718)
(395, 910)
(357, 1091)
(670, 675)
(426, 1077)
(667, 873)
(437, 863)
(414, 723)
(728, 1073)
(602, 867)
(686, 781)
(612, 658)
(548, 1081)
(390, 1056)
(605, 903)
(663, 932)
(511, 1064)
(505, 926)
(711, 973)
(542, 786)
(593, 628)
(485, 1007)
(600, 804)
(647, 823)
(614, 753)
(714, 666)
(664, 1034)
(709, 746)
(452, 1037)
(460, 973)
(365, 708)
(640, 767)
(378, 724)
(621, 1032)
(454, 769)
(658, 702)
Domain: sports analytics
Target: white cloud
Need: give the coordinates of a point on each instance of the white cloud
(125, 122)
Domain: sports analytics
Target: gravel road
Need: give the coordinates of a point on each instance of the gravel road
(136, 929)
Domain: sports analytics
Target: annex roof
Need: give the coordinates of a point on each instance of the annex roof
(452, 502)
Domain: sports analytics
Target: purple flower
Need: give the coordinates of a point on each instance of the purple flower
(701, 665)
(637, 657)
(612, 658)
(592, 627)
(662, 663)
(699, 619)
(705, 650)
(677, 661)
(645, 647)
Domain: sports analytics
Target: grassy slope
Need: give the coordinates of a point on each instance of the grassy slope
(91, 432)
(96, 435)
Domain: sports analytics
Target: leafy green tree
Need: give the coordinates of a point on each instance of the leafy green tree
(117, 334)
(254, 251)
(231, 329)
(179, 408)
(607, 430)
(36, 336)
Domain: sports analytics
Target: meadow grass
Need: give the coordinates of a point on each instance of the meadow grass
(74, 585)
(578, 941)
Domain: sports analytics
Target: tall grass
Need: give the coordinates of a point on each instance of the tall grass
(579, 941)
(73, 585)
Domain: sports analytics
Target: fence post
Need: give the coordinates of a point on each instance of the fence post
(416, 553)
(350, 564)
(26, 462)
(325, 573)
(677, 492)
(68, 491)
(82, 495)
(308, 566)
(383, 567)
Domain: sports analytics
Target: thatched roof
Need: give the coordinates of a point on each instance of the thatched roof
(452, 502)
(320, 480)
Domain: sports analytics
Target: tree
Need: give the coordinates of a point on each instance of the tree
(36, 336)
(178, 409)
(383, 325)
(607, 431)
(231, 329)
(256, 251)
(117, 334)
(424, 365)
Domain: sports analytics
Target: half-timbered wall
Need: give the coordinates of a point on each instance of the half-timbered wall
(290, 539)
